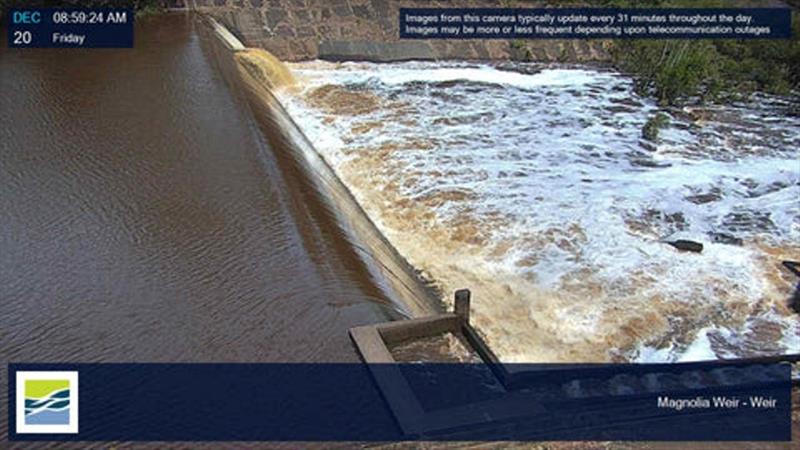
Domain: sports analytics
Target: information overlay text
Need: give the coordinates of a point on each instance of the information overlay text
(70, 28)
(578, 23)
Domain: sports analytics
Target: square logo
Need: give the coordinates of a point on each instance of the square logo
(47, 402)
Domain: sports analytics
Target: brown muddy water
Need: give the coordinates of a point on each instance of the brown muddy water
(147, 217)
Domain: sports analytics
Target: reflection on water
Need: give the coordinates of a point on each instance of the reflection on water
(145, 218)
(532, 186)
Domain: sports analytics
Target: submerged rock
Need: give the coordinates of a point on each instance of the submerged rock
(725, 238)
(713, 195)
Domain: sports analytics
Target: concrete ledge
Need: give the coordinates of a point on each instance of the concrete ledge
(396, 332)
(232, 42)
(373, 341)
(370, 344)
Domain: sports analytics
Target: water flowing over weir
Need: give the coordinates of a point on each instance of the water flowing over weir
(260, 75)
(532, 186)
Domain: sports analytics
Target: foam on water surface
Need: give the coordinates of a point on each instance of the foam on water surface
(532, 186)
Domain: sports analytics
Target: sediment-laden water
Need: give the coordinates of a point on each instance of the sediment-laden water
(533, 187)
(148, 217)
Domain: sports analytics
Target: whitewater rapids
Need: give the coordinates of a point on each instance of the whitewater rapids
(533, 187)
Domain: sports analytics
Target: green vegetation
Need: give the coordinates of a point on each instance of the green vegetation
(653, 125)
(520, 50)
(680, 71)
(148, 7)
(675, 71)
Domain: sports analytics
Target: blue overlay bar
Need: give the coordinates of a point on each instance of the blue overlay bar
(341, 402)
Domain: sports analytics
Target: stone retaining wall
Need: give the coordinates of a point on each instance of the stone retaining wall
(368, 30)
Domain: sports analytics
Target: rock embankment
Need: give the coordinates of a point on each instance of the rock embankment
(296, 30)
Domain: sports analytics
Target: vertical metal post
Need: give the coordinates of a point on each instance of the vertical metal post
(462, 304)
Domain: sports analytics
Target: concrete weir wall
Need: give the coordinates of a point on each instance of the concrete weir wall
(295, 30)
(247, 69)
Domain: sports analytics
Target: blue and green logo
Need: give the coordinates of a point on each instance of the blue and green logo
(47, 402)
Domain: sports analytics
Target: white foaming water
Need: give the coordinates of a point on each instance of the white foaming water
(557, 77)
(535, 189)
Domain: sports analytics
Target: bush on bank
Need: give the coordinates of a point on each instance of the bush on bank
(680, 71)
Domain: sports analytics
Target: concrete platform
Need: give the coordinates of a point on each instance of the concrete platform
(580, 382)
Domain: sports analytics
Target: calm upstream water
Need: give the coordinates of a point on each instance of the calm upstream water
(532, 186)
(146, 217)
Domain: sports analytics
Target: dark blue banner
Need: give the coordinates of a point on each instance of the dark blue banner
(70, 28)
(342, 402)
(594, 23)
